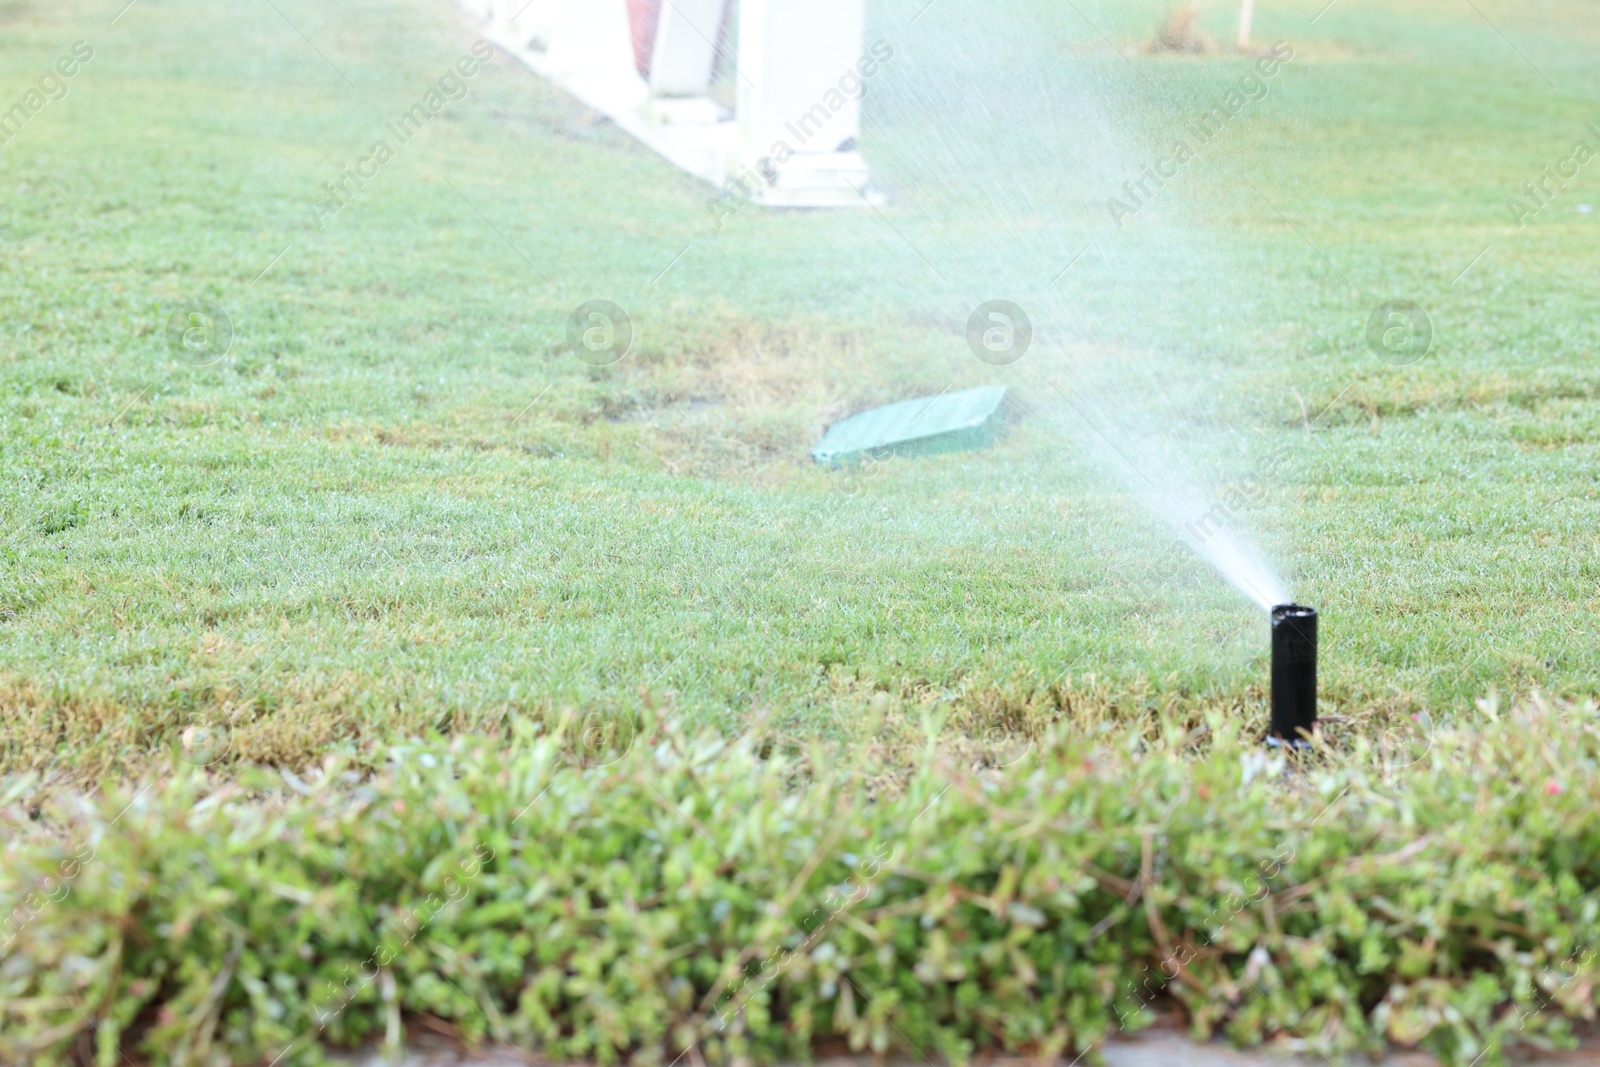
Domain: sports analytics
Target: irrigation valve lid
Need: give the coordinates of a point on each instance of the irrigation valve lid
(968, 418)
(1294, 675)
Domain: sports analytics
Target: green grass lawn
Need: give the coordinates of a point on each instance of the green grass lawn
(397, 505)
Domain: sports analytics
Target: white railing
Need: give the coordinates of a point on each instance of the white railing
(799, 70)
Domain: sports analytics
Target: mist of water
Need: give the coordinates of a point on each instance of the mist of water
(1001, 143)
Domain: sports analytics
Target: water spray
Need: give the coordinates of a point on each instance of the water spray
(1294, 675)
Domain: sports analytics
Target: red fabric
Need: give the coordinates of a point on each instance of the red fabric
(643, 18)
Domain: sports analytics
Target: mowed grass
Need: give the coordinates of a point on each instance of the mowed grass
(399, 505)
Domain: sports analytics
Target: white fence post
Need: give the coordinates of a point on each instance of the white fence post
(793, 140)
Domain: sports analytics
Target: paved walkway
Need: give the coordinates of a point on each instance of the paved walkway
(1154, 1048)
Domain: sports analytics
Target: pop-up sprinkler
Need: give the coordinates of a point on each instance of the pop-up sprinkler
(1294, 675)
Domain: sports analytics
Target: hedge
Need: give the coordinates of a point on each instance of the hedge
(738, 902)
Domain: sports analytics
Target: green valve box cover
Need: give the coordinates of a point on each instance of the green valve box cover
(942, 423)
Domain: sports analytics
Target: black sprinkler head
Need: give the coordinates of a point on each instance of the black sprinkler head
(1294, 674)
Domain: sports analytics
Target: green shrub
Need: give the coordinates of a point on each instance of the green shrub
(754, 901)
